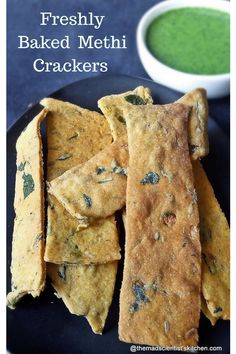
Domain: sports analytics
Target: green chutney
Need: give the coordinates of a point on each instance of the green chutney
(192, 39)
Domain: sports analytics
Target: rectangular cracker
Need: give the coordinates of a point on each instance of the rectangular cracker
(79, 133)
(160, 294)
(27, 265)
(112, 107)
(97, 188)
(86, 290)
(215, 240)
(197, 128)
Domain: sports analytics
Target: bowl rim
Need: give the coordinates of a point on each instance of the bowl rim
(165, 6)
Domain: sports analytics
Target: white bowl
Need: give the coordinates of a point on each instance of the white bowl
(216, 85)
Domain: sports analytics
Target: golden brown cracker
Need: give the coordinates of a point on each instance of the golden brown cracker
(113, 108)
(97, 188)
(86, 290)
(66, 244)
(160, 295)
(215, 240)
(197, 128)
(72, 133)
(27, 265)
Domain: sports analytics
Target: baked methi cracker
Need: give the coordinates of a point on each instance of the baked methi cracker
(86, 290)
(113, 107)
(160, 296)
(215, 240)
(66, 244)
(88, 133)
(97, 188)
(72, 133)
(197, 128)
(27, 265)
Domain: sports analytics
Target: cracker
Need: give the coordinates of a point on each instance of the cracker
(79, 133)
(97, 188)
(75, 135)
(86, 291)
(27, 265)
(160, 294)
(66, 244)
(215, 240)
(197, 128)
(78, 190)
(113, 108)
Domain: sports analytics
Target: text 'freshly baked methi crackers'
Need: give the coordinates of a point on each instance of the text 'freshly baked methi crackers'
(160, 297)
(27, 265)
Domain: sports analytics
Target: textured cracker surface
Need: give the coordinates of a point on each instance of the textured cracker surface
(80, 133)
(86, 290)
(102, 179)
(113, 109)
(27, 265)
(197, 128)
(215, 240)
(160, 295)
(93, 245)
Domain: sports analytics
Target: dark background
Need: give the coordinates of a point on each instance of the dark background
(26, 87)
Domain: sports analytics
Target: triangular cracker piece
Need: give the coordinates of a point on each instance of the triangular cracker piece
(97, 188)
(215, 240)
(27, 266)
(86, 290)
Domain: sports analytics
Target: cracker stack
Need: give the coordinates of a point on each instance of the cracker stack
(152, 169)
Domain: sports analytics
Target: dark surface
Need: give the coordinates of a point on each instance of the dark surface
(44, 325)
(25, 86)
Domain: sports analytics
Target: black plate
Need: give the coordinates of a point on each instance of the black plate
(44, 325)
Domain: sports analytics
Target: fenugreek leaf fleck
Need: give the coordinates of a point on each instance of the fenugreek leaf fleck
(28, 184)
(135, 99)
